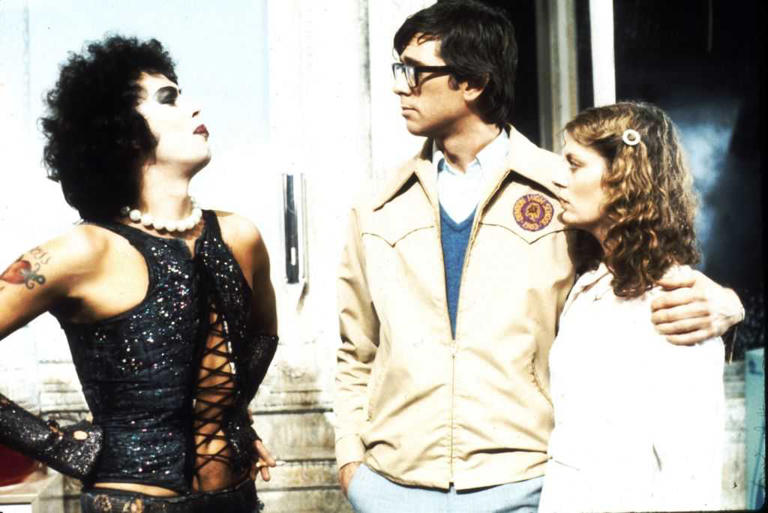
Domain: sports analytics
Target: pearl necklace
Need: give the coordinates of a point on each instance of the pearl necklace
(182, 225)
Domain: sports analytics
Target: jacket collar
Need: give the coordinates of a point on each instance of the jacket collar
(523, 157)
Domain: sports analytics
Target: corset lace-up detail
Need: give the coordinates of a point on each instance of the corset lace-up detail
(169, 381)
(215, 395)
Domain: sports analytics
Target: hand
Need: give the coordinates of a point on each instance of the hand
(694, 308)
(345, 475)
(262, 464)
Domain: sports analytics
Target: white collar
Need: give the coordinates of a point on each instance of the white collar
(595, 284)
(491, 156)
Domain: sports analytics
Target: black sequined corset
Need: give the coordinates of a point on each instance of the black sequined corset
(141, 370)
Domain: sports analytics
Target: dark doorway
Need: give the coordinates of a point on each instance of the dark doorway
(701, 61)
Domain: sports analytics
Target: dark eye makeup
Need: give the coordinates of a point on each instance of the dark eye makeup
(167, 95)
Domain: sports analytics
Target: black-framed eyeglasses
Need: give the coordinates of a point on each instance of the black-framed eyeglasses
(411, 73)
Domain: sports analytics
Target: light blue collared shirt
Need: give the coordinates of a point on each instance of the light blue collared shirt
(459, 192)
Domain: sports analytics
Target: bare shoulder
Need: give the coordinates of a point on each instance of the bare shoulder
(245, 240)
(56, 267)
(238, 230)
(82, 246)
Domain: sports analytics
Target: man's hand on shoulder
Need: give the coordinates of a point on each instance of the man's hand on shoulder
(346, 473)
(693, 308)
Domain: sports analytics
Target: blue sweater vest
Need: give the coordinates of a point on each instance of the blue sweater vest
(454, 238)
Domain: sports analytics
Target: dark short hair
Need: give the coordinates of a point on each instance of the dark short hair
(478, 41)
(96, 139)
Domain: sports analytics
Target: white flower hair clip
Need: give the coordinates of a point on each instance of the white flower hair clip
(630, 137)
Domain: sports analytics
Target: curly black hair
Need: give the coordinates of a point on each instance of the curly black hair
(478, 41)
(96, 140)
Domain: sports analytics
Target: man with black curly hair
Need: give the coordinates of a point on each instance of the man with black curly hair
(168, 309)
(453, 277)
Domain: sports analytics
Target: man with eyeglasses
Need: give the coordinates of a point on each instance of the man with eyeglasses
(451, 284)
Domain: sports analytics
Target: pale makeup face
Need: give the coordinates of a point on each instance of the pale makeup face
(433, 108)
(182, 138)
(580, 190)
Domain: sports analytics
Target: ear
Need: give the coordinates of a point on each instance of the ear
(472, 89)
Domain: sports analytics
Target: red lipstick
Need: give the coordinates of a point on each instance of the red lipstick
(201, 130)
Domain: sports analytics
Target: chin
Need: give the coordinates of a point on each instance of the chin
(200, 164)
(571, 221)
(414, 129)
(419, 128)
(567, 219)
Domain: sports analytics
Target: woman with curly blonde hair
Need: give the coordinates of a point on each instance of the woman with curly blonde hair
(638, 421)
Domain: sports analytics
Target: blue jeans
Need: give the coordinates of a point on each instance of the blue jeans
(371, 493)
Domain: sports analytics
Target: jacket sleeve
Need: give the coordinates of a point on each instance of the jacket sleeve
(359, 329)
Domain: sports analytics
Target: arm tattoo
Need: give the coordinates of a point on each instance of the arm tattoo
(40, 255)
(26, 272)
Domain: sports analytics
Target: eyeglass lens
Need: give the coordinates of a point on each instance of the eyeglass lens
(398, 68)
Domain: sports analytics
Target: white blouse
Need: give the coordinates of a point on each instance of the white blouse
(639, 422)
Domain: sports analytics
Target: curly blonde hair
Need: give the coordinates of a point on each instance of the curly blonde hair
(649, 198)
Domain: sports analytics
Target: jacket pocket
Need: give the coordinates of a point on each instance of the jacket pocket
(374, 386)
(537, 380)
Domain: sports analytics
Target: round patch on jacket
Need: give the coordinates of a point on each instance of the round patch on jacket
(533, 212)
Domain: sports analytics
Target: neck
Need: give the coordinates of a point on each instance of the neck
(461, 147)
(164, 195)
(600, 232)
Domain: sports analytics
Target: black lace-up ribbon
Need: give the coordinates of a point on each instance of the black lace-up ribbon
(215, 394)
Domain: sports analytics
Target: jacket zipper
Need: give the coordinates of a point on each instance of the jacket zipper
(454, 346)
(453, 340)
(472, 235)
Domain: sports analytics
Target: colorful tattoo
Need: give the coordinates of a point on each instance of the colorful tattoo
(22, 271)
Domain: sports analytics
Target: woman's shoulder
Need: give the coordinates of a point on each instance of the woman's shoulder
(710, 351)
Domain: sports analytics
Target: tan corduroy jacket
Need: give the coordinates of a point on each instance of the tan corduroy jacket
(414, 404)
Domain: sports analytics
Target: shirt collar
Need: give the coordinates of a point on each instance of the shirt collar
(597, 281)
(523, 157)
(594, 284)
(491, 156)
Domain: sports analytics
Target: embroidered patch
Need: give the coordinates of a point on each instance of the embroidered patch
(533, 212)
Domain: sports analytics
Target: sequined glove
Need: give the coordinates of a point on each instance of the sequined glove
(71, 450)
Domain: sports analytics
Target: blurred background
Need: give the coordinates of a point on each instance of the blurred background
(302, 87)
